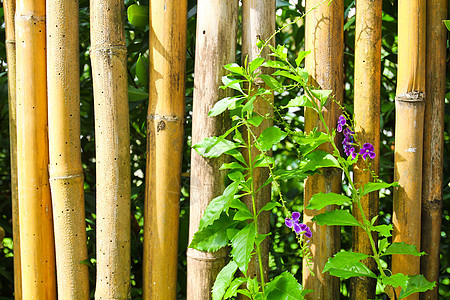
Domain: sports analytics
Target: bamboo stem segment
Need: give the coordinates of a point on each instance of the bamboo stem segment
(112, 133)
(216, 47)
(433, 142)
(165, 119)
(35, 207)
(324, 37)
(367, 126)
(410, 106)
(258, 22)
(9, 7)
(66, 173)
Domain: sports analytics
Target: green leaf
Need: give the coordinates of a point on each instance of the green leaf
(232, 83)
(336, 217)
(281, 3)
(402, 248)
(262, 160)
(256, 63)
(232, 166)
(272, 82)
(284, 287)
(269, 137)
(214, 236)
(236, 176)
(142, 70)
(223, 280)
(233, 288)
(318, 159)
(235, 68)
(243, 212)
(298, 174)
(280, 52)
(322, 95)
(222, 105)
(135, 94)
(290, 76)
(243, 243)
(269, 206)
(384, 230)
(320, 200)
(447, 24)
(300, 57)
(276, 64)
(375, 186)
(382, 245)
(310, 142)
(416, 284)
(396, 280)
(255, 120)
(249, 105)
(219, 205)
(210, 148)
(300, 101)
(260, 238)
(138, 15)
(344, 258)
(353, 270)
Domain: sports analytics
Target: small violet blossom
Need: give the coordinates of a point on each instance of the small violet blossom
(348, 143)
(299, 228)
(367, 150)
(341, 122)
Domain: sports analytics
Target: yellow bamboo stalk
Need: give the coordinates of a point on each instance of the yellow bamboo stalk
(410, 105)
(216, 46)
(258, 21)
(9, 8)
(35, 207)
(168, 29)
(66, 172)
(324, 37)
(367, 126)
(112, 134)
(433, 142)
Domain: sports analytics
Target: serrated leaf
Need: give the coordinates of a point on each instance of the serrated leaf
(260, 238)
(322, 95)
(300, 57)
(403, 248)
(233, 288)
(353, 270)
(135, 94)
(375, 186)
(320, 200)
(284, 287)
(214, 236)
(269, 137)
(384, 230)
(336, 217)
(243, 243)
(272, 82)
(256, 63)
(416, 284)
(223, 280)
(342, 259)
(138, 15)
(395, 280)
(209, 147)
(235, 68)
(219, 205)
(318, 159)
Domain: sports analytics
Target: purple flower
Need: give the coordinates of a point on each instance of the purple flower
(348, 143)
(299, 228)
(367, 149)
(341, 122)
(291, 222)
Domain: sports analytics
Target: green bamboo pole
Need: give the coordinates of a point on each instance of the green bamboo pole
(35, 207)
(66, 173)
(367, 126)
(409, 117)
(216, 46)
(165, 119)
(433, 142)
(324, 37)
(112, 139)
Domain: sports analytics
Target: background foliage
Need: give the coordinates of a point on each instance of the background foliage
(284, 247)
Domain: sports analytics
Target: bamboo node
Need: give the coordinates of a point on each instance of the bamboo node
(108, 49)
(414, 96)
(66, 177)
(164, 118)
(206, 256)
(31, 17)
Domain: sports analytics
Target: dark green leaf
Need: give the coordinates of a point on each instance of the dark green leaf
(243, 243)
(269, 137)
(342, 259)
(234, 286)
(336, 217)
(384, 230)
(142, 70)
(284, 287)
(416, 284)
(403, 248)
(269, 206)
(311, 141)
(320, 200)
(272, 82)
(233, 166)
(138, 15)
(395, 280)
(318, 159)
(223, 280)
(375, 186)
(135, 94)
(354, 270)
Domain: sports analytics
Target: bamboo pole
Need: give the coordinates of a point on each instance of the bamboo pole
(433, 142)
(258, 22)
(35, 207)
(216, 46)
(112, 134)
(66, 173)
(9, 7)
(324, 37)
(410, 105)
(367, 126)
(168, 29)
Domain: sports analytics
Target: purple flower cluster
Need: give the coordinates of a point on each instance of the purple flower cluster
(299, 228)
(348, 142)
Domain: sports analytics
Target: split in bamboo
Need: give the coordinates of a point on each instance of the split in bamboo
(433, 141)
(409, 106)
(165, 119)
(258, 22)
(35, 207)
(325, 38)
(112, 142)
(66, 173)
(9, 8)
(367, 127)
(216, 46)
